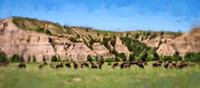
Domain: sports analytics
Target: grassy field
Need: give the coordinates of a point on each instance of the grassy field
(32, 77)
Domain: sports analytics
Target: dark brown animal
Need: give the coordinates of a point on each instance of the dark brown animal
(75, 65)
(115, 64)
(122, 65)
(22, 65)
(109, 63)
(166, 65)
(156, 64)
(174, 65)
(59, 65)
(68, 65)
(127, 65)
(45, 63)
(140, 65)
(169, 61)
(100, 64)
(160, 61)
(134, 62)
(94, 66)
(40, 66)
(145, 63)
(182, 65)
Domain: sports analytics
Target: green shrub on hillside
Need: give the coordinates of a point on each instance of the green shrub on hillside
(131, 57)
(176, 57)
(110, 59)
(89, 58)
(105, 43)
(136, 46)
(3, 57)
(143, 56)
(191, 56)
(155, 56)
(15, 58)
(34, 59)
(53, 58)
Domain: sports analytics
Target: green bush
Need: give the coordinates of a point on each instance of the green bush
(3, 57)
(43, 59)
(109, 59)
(15, 58)
(48, 32)
(117, 59)
(89, 58)
(58, 59)
(122, 56)
(53, 58)
(34, 59)
(136, 46)
(165, 58)
(155, 56)
(131, 57)
(143, 56)
(65, 60)
(29, 58)
(193, 57)
(176, 57)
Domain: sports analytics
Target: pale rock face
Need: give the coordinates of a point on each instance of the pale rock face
(120, 48)
(183, 44)
(16, 41)
(79, 52)
(101, 50)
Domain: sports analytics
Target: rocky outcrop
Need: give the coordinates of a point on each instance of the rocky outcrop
(101, 50)
(29, 44)
(14, 40)
(78, 52)
(189, 42)
(120, 48)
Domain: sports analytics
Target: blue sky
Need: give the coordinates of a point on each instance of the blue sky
(113, 15)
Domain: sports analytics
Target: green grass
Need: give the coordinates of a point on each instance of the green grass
(32, 77)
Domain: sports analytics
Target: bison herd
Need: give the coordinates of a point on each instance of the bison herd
(166, 64)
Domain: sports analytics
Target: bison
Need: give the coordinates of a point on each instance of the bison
(140, 65)
(134, 62)
(166, 65)
(22, 65)
(59, 65)
(156, 64)
(75, 65)
(68, 65)
(40, 66)
(115, 64)
(94, 66)
(45, 63)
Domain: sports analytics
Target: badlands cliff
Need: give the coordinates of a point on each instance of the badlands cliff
(42, 39)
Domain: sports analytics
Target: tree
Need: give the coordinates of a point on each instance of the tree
(176, 57)
(29, 59)
(96, 58)
(34, 59)
(155, 56)
(131, 57)
(143, 55)
(43, 59)
(59, 59)
(3, 57)
(15, 58)
(117, 59)
(53, 58)
(123, 56)
(22, 58)
(101, 59)
(89, 58)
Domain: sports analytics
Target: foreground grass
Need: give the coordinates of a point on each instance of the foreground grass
(32, 77)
